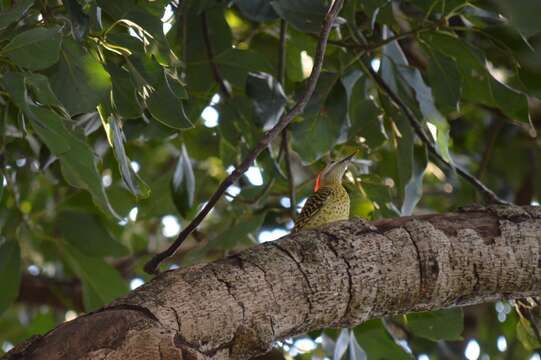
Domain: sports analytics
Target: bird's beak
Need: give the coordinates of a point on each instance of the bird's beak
(348, 158)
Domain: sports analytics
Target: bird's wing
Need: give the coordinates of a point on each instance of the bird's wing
(313, 205)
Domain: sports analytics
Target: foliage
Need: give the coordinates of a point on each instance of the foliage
(119, 119)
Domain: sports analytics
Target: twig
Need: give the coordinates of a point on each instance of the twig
(487, 154)
(368, 47)
(426, 140)
(282, 53)
(151, 266)
(285, 141)
(224, 88)
(290, 180)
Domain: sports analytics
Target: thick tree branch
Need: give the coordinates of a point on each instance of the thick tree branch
(42, 290)
(65, 294)
(336, 276)
(152, 265)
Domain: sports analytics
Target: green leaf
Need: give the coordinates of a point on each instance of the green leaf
(161, 202)
(131, 179)
(145, 70)
(324, 119)
(50, 128)
(45, 122)
(237, 234)
(443, 7)
(1, 185)
(411, 161)
(34, 49)
(236, 123)
(39, 86)
(444, 79)
(124, 93)
(151, 24)
(342, 343)
(183, 183)
(376, 343)
(17, 10)
(268, 98)
(523, 14)
(42, 323)
(478, 85)
(437, 325)
(79, 169)
(526, 335)
(359, 204)
(431, 115)
(79, 20)
(414, 187)
(304, 15)
(356, 352)
(400, 74)
(10, 272)
(364, 117)
(219, 33)
(379, 11)
(79, 80)
(257, 10)
(86, 233)
(235, 64)
(116, 9)
(76, 157)
(101, 282)
(166, 107)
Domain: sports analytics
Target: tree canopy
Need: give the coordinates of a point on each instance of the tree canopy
(120, 119)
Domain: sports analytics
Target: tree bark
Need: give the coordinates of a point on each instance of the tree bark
(336, 276)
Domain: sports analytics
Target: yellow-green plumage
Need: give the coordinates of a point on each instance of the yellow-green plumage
(330, 202)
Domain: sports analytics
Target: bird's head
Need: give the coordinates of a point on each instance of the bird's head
(333, 172)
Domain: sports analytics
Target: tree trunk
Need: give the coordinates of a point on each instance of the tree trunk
(336, 276)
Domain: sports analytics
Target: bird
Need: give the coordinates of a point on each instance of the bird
(330, 200)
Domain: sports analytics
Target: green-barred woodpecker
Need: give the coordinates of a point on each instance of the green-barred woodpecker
(330, 200)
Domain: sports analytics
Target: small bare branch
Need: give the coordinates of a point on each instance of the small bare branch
(285, 140)
(224, 87)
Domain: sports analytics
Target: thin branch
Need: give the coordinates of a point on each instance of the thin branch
(224, 87)
(290, 180)
(426, 140)
(285, 141)
(152, 265)
(368, 47)
(282, 53)
(487, 154)
(417, 126)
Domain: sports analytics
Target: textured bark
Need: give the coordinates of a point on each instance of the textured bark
(336, 276)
